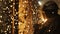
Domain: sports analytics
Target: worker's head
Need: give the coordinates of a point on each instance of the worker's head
(50, 8)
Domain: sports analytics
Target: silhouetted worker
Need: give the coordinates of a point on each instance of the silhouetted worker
(53, 27)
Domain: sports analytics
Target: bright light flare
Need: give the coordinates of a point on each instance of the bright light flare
(44, 20)
(39, 3)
